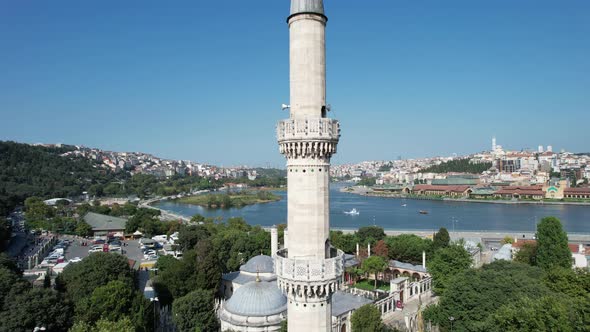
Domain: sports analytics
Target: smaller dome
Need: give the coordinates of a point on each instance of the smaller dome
(259, 264)
(257, 298)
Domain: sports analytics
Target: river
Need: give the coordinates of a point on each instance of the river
(390, 214)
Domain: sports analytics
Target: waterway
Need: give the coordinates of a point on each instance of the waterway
(390, 214)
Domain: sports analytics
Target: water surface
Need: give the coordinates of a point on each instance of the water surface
(390, 213)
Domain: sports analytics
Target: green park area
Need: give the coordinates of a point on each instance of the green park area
(230, 200)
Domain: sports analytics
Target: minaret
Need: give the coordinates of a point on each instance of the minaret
(309, 271)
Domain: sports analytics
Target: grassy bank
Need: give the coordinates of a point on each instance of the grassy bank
(225, 201)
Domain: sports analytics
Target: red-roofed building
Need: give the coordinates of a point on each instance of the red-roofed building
(441, 190)
(577, 193)
(530, 192)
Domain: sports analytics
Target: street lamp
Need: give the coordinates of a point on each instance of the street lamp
(451, 319)
(154, 300)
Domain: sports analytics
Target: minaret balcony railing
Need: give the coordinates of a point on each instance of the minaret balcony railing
(308, 129)
(312, 270)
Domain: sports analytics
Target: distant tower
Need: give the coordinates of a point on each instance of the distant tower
(309, 271)
(549, 148)
(493, 143)
(540, 149)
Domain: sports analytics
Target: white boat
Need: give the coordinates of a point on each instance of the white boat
(353, 212)
(404, 205)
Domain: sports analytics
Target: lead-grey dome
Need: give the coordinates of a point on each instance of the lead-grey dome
(259, 264)
(257, 298)
(307, 6)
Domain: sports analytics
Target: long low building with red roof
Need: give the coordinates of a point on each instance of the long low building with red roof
(531, 192)
(442, 190)
(577, 193)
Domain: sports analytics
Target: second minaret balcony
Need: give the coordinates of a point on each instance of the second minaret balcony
(308, 129)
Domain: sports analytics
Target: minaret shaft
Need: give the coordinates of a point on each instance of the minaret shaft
(309, 270)
(307, 65)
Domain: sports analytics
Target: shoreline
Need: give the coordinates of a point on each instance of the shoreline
(365, 192)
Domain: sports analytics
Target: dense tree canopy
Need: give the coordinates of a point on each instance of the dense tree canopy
(527, 254)
(374, 265)
(103, 325)
(441, 239)
(552, 245)
(445, 264)
(408, 248)
(195, 312)
(96, 270)
(367, 319)
(458, 165)
(33, 307)
(509, 296)
(370, 234)
(27, 170)
(112, 301)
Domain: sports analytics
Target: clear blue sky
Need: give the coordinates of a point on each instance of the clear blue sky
(204, 80)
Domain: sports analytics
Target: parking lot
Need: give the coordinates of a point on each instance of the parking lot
(76, 249)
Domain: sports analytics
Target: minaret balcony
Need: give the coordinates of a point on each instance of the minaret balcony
(310, 269)
(309, 280)
(320, 129)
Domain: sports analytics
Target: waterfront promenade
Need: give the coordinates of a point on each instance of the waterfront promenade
(491, 235)
(367, 191)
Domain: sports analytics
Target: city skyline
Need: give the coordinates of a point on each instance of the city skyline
(123, 79)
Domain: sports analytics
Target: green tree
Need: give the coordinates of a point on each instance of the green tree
(83, 229)
(190, 235)
(527, 254)
(507, 240)
(112, 302)
(195, 311)
(8, 280)
(207, 266)
(284, 326)
(548, 313)
(408, 248)
(123, 325)
(375, 265)
(5, 233)
(36, 209)
(367, 181)
(366, 319)
(472, 295)
(96, 270)
(344, 242)
(25, 310)
(552, 250)
(445, 264)
(458, 165)
(441, 239)
(571, 283)
(370, 234)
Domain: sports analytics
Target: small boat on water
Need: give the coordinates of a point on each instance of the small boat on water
(404, 205)
(353, 212)
(423, 212)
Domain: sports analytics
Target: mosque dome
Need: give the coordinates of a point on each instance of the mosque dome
(307, 6)
(257, 298)
(259, 264)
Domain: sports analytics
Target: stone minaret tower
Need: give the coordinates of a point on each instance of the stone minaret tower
(309, 270)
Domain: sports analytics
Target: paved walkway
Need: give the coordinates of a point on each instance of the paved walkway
(397, 318)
